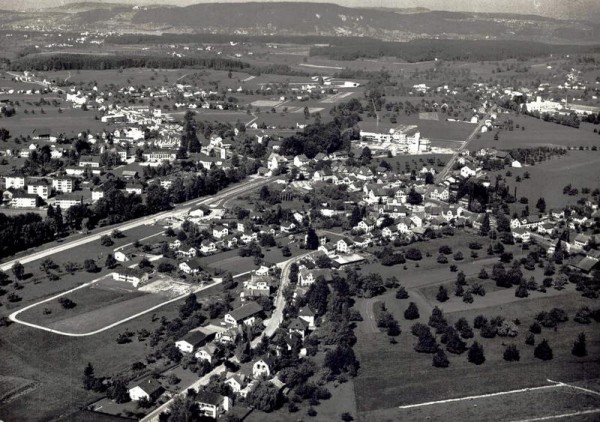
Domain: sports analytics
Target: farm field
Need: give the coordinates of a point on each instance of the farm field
(578, 168)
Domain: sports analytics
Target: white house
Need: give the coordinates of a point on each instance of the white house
(206, 352)
(245, 314)
(135, 276)
(149, 389)
(212, 405)
(191, 342)
(262, 367)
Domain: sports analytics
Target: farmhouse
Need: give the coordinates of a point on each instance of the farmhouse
(135, 276)
(245, 314)
(149, 389)
(193, 266)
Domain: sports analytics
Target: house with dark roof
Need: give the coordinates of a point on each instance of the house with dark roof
(149, 389)
(192, 341)
(212, 405)
(135, 276)
(245, 314)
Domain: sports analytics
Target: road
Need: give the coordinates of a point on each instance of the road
(155, 414)
(178, 211)
(448, 167)
(272, 324)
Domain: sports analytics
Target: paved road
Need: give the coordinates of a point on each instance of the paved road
(179, 210)
(272, 324)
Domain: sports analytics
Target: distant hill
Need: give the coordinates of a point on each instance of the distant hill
(305, 18)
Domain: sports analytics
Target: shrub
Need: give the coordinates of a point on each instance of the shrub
(412, 312)
(511, 353)
(535, 328)
(530, 339)
(401, 293)
(479, 321)
(441, 259)
(583, 315)
(468, 297)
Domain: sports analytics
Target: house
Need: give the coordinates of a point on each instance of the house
(121, 256)
(134, 187)
(15, 182)
(75, 171)
(88, 161)
(361, 242)
(193, 266)
(306, 314)
(522, 234)
(301, 160)
(206, 353)
(191, 341)
(149, 389)
(342, 246)
(220, 231)
(236, 382)
(159, 156)
(199, 211)
(67, 200)
(63, 184)
(245, 314)
(298, 326)
(467, 172)
(39, 187)
(189, 253)
(24, 200)
(135, 276)
(441, 193)
(275, 161)
(208, 247)
(212, 405)
(263, 367)
(307, 277)
(581, 240)
(97, 193)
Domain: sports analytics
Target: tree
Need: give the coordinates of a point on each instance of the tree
(110, 262)
(579, 347)
(312, 240)
(412, 312)
(541, 205)
(426, 343)
(90, 266)
(346, 417)
(476, 355)
(483, 275)
(511, 353)
(18, 270)
(440, 360)
(521, 290)
(285, 251)
(543, 350)
(484, 230)
(442, 294)
(47, 264)
(88, 377)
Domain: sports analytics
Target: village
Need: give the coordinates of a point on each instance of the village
(246, 244)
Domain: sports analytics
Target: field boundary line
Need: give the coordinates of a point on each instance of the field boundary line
(482, 396)
(587, 390)
(562, 415)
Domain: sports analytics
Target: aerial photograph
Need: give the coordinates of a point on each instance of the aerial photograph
(295, 211)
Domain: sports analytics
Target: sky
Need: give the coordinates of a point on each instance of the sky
(566, 9)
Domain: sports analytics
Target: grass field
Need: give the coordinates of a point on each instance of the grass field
(393, 375)
(536, 133)
(579, 168)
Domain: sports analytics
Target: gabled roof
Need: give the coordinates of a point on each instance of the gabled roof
(209, 398)
(149, 385)
(195, 338)
(246, 311)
